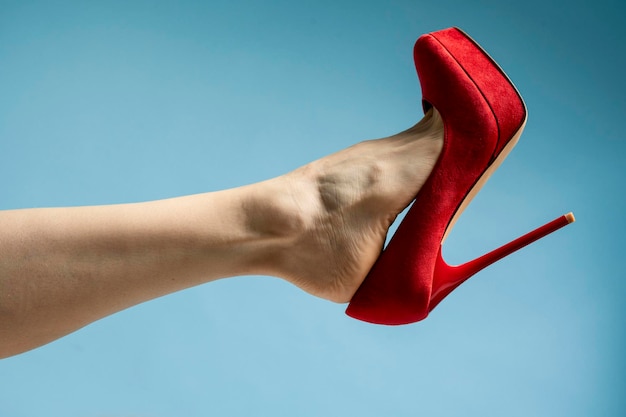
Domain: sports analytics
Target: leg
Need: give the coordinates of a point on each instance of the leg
(320, 227)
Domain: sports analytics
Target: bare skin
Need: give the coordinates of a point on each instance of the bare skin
(320, 227)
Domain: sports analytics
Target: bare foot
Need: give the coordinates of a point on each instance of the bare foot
(341, 206)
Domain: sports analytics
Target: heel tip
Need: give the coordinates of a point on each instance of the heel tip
(570, 217)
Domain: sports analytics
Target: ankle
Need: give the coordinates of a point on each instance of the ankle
(279, 209)
(280, 214)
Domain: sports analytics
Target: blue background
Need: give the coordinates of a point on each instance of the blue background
(122, 101)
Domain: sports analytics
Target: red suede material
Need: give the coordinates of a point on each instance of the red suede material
(508, 107)
(398, 288)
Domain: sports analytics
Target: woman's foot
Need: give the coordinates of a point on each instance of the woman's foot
(336, 211)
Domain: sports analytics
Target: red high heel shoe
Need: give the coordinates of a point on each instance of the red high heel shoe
(483, 116)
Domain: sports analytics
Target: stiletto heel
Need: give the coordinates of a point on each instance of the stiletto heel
(483, 117)
(447, 278)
